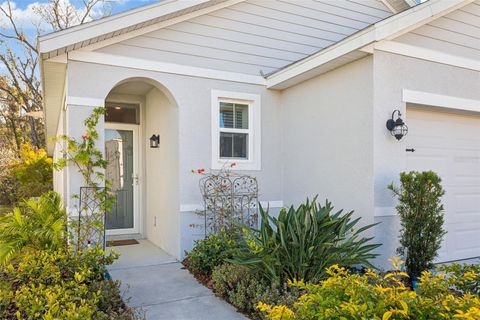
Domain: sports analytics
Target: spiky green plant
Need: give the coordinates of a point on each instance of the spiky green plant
(301, 243)
(38, 224)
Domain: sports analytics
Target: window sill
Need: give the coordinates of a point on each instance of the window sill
(240, 165)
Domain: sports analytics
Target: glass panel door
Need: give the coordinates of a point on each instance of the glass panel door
(121, 173)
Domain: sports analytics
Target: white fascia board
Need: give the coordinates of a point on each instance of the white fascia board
(440, 100)
(389, 28)
(427, 54)
(60, 39)
(142, 64)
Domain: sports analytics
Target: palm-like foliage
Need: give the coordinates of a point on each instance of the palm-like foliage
(301, 243)
(38, 224)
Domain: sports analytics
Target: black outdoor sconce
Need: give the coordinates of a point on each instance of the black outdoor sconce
(397, 127)
(155, 141)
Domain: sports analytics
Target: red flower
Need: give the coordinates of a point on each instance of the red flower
(233, 164)
(85, 137)
(201, 170)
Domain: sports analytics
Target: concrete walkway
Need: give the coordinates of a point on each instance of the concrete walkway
(159, 286)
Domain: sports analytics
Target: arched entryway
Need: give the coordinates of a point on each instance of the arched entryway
(143, 178)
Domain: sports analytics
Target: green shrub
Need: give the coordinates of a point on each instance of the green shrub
(59, 284)
(463, 278)
(213, 251)
(38, 224)
(421, 215)
(25, 177)
(243, 288)
(344, 295)
(301, 243)
(33, 173)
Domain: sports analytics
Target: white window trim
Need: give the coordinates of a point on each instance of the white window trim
(254, 124)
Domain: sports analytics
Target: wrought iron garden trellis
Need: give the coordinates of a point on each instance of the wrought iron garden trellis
(229, 199)
(90, 228)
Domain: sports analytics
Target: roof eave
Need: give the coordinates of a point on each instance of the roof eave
(386, 29)
(64, 38)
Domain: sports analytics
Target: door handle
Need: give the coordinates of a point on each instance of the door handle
(410, 150)
(135, 179)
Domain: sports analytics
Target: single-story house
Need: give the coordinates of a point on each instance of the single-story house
(297, 93)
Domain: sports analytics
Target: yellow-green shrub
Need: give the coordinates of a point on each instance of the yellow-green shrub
(60, 284)
(345, 295)
(29, 175)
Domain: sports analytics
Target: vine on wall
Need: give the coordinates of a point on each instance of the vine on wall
(94, 197)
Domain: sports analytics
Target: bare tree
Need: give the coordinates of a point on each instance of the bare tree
(20, 86)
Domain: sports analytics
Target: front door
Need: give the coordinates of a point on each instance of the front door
(122, 156)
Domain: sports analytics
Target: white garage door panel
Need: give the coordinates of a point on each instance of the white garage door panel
(449, 144)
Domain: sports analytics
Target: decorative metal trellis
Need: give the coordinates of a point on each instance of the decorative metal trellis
(90, 228)
(229, 199)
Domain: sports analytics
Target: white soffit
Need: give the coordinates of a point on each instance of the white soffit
(387, 29)
(60, 42)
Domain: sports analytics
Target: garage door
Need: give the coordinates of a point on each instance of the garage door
(449, 144)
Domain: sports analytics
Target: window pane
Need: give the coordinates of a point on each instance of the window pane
(233, 115)
(240, 142)
(226, 145)
(233, 145)
(241, 116)
(122, 113)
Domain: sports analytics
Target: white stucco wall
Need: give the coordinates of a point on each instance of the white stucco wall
(328, 142)
(193, 98)
(75, 128)
(59, 176)
(161, 172)
(392, 74)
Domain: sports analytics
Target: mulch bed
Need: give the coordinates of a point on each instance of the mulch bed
(204, 279)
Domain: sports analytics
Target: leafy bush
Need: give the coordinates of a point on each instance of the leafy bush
(26, 177)
(39, 224)
(463, 278)
(421, 215)
(302, 242)
(213, 251)
(243, 288)
(58, 284)
(33, 173)
(344, 295)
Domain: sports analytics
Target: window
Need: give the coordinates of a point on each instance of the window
(236, 130)
(122, 112)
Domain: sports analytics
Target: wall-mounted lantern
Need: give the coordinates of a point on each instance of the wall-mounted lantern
(397, 127)
(155, 141)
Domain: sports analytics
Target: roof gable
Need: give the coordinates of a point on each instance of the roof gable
(254, 37)
(358, 44)
(56, 43)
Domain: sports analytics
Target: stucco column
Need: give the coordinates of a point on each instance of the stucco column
(76, 113)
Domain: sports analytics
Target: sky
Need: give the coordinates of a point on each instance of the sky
(27, 19)
(24, 9)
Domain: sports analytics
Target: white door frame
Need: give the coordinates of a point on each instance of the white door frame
(136, 185)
